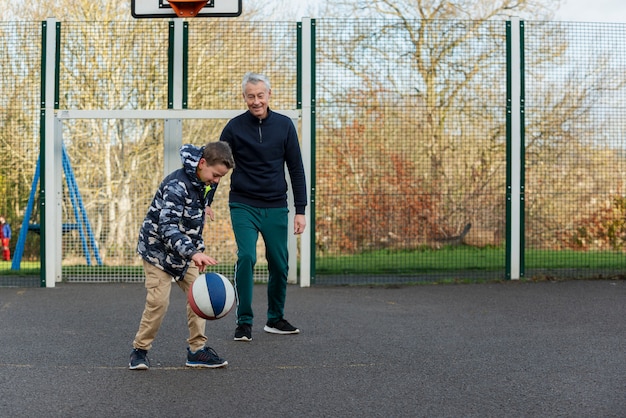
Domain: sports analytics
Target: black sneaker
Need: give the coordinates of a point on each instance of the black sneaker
(243, 332)
(281, 327)
(139, 360)
(206, 357)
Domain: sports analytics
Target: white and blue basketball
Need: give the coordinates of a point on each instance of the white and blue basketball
(211, 296)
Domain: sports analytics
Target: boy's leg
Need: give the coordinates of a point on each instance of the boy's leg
(244, 220)
(197, 325)
(274, 233)
(158, 285)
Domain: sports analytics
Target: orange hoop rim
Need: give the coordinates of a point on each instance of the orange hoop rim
(187, 8)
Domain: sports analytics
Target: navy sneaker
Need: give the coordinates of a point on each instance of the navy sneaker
(243, 332)
(139, 360)
(206, 357)
(280, 327)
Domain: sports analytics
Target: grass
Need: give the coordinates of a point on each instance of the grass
(402, 262)
(411, 262)
(461, 258)
(28, 268)
(33, 268)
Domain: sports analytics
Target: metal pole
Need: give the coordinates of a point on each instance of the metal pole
(51, 174)
(515, 155)
(308, 119)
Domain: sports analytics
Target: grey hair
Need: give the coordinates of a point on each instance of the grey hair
(254, 78)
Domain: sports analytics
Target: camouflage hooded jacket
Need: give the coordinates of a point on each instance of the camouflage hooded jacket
(171, 232)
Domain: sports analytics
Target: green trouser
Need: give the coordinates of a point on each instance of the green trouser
(247, 222)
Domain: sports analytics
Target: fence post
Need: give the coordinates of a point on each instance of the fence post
(307, 84)
(177, 93)
(515, 150)
(50, 155)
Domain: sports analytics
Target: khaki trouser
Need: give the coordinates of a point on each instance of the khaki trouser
(158, 286)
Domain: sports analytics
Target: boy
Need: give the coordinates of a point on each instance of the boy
(171, 245)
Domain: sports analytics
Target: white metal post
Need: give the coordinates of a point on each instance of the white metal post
(177, 94)
(292, 240)
(306, 139)
(516, 150)
(172, 141)
(173, 128)
(53, 167)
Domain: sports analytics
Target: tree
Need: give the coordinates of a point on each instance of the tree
(430, 87)
(427, 82)
(111, 61)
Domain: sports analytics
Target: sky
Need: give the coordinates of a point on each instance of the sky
(592, 11)
(570, 10)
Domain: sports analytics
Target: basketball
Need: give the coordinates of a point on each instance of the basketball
(211, 296)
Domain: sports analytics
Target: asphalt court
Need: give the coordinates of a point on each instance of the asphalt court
(510, 349)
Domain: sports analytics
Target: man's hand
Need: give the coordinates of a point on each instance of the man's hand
(299, 223)
(202, 260)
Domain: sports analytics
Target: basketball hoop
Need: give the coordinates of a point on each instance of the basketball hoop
(142, 9)
(187, 8)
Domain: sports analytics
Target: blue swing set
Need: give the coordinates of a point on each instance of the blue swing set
(80, 215)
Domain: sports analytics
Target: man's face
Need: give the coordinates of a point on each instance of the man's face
(208, 174)
(257, 97)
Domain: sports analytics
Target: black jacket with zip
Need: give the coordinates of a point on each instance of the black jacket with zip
(261, 148)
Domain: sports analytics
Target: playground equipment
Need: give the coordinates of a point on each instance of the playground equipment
(80, 215)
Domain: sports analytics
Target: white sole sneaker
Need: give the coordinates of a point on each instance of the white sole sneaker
(278, 331)
(207, 366)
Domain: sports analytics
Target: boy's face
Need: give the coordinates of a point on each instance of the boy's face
(210, 173)
(257, 97)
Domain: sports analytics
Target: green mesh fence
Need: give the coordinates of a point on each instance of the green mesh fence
(410, 144)
(117, 163)
(575, 142)
(20, 56)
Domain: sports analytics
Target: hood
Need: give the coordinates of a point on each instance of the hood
(190, 156)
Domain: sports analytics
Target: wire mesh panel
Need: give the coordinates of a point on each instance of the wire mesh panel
(410, 149)
(575, 142)
(113, 166)
(221, 52)
(219, 55)
(410, 173)
(20, 69)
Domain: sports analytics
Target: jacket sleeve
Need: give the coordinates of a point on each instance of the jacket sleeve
(293, 158)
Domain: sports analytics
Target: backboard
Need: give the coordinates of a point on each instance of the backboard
(163, 9)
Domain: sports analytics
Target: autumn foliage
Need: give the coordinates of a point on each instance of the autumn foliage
(603, 230)
(377, 198)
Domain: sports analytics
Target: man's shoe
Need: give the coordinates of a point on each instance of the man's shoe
(243, 332)
(139, 360)
(206, 357)
(280, 327)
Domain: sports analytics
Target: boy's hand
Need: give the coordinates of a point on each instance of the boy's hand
(209, 213)
(202, 260)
